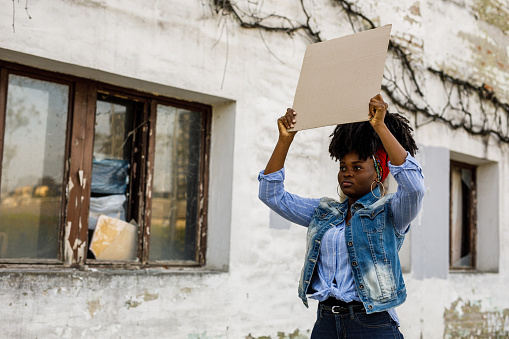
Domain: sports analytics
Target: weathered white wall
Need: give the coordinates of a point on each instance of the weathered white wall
(186, 50)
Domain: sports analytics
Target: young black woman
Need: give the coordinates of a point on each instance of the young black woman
(352, 266)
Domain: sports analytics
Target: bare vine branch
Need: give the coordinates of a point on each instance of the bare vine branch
(26, 9)
(13, 16)
(14, 13)
(226, 6)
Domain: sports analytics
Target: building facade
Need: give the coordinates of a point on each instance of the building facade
(132, 134)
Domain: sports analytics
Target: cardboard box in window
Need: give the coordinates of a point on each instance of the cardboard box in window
(114, 239)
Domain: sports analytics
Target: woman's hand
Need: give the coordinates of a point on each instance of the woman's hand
(377, 111)
(285, 123)
(278, 157)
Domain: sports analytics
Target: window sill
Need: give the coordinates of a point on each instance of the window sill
(472, 271)
(88, 270)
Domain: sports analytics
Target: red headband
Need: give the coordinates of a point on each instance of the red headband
(381, 160)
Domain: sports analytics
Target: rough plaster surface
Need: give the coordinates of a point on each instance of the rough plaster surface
(184, 45)
(467, 319)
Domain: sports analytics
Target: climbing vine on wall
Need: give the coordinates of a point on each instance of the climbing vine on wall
(14, 13)
(463, 100)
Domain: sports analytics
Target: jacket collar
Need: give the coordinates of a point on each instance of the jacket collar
(367, 200)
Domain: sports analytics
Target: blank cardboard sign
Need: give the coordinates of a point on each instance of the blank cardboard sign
(339, 77)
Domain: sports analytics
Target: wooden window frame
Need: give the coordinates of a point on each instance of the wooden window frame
(44, 76)
(73, 238)
(472, 217)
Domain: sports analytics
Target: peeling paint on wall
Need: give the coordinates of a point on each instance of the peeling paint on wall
(487, 52)
(68, 251)
(94, 306)
(490, 60)
(140, 298)
(282, 335)
(494, 13)
(466, 319)
(203, 335)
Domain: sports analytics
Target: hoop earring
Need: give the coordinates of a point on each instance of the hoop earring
(376, 182)
(341, 194)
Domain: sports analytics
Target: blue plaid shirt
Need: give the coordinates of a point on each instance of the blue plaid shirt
(334, 274)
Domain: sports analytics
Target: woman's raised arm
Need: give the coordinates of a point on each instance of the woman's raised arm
(278, 157)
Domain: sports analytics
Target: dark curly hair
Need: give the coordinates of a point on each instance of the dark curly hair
(361, 138)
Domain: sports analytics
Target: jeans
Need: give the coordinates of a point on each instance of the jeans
(354, 324)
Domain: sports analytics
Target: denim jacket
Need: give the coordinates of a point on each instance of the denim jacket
(372, 242)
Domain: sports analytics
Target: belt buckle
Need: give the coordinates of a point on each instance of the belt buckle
(339, 309)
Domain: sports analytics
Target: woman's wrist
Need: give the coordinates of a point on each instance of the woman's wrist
(380, 127)
(286, 140)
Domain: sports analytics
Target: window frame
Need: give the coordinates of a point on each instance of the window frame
(203, 179)
(73, 238)
(22, 71)
(472, 217)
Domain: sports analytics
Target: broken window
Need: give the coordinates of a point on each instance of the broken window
(462, 215)
(98, 175)
(111, 160)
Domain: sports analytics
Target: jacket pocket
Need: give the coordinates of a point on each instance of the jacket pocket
(379, 282)
(373, 220)
(323, 215)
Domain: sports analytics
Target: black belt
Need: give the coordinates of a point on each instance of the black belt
(338, 306)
